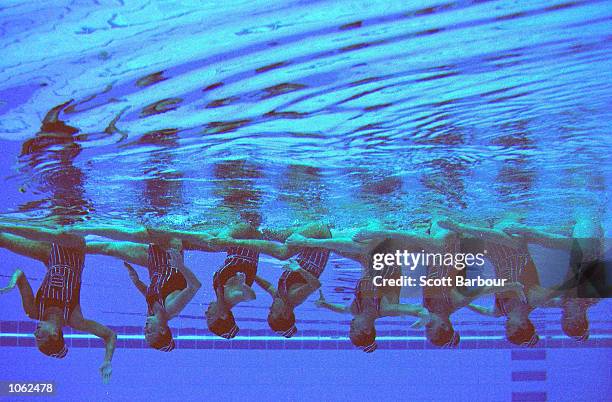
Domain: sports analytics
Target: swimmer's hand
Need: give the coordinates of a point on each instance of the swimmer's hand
(321, 301)
(519, 288)
(424, 319)
(106, 370)
(292, 266)
(142, 288)
(13, 282)
(131, 271)
(296, 240)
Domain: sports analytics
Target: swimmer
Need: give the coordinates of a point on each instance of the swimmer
(440, 301)
(370, 302)
(585, 246)
(172, 285)
(297, 283)
(233, 281)
(511, 260)
(57, 301)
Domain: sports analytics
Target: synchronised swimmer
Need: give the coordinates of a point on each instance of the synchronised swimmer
(446, 286)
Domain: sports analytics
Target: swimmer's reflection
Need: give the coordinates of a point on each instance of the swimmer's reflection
(51, 155)
(163, 186)
(235, 183)
(302, 188)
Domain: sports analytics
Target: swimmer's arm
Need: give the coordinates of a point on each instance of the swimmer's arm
(244, 235)
(177, 304)
(78, 322)
(277, 234)
(265, 285)
(142, 288)
(342, 245)
(335, 307)
(399, 309)
(205, 241)
(404, 236)
(132, 234)
(312, 281)
(492, 235)
(37, 250)
(134, 253)
(489, 312)
(276, 250)
(312, 284)
(58, 236)
(588, 234)
(27, 296)
(195, 240)
(538, 236)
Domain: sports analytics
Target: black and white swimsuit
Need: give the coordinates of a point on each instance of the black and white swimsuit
(437, 299)
(312, 260)
(238, 259)
(515, 265)
(164, 277)
(61, 286)
(367, 297)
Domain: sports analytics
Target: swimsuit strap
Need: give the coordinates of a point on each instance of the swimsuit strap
(242, 253)
(64, 256)
(360, 303)
(313, 260)
(162, 271)
(508, 262)
(283, 285)
(62, 282)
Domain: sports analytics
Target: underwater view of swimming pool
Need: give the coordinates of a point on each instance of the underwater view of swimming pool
(306, 200)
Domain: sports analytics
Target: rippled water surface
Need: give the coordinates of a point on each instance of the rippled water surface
(308, 109)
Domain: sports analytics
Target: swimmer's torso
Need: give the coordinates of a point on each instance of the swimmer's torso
(238, 259)
(163, 275)
(312, 260)
(61, 286)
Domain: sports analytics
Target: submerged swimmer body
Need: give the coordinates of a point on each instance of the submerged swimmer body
(370, 302)
(297, 283)
(576, 294)
(445, 287)
(57, 301)
(172, 285)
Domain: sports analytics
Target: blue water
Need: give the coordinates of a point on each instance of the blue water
(340, 111)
